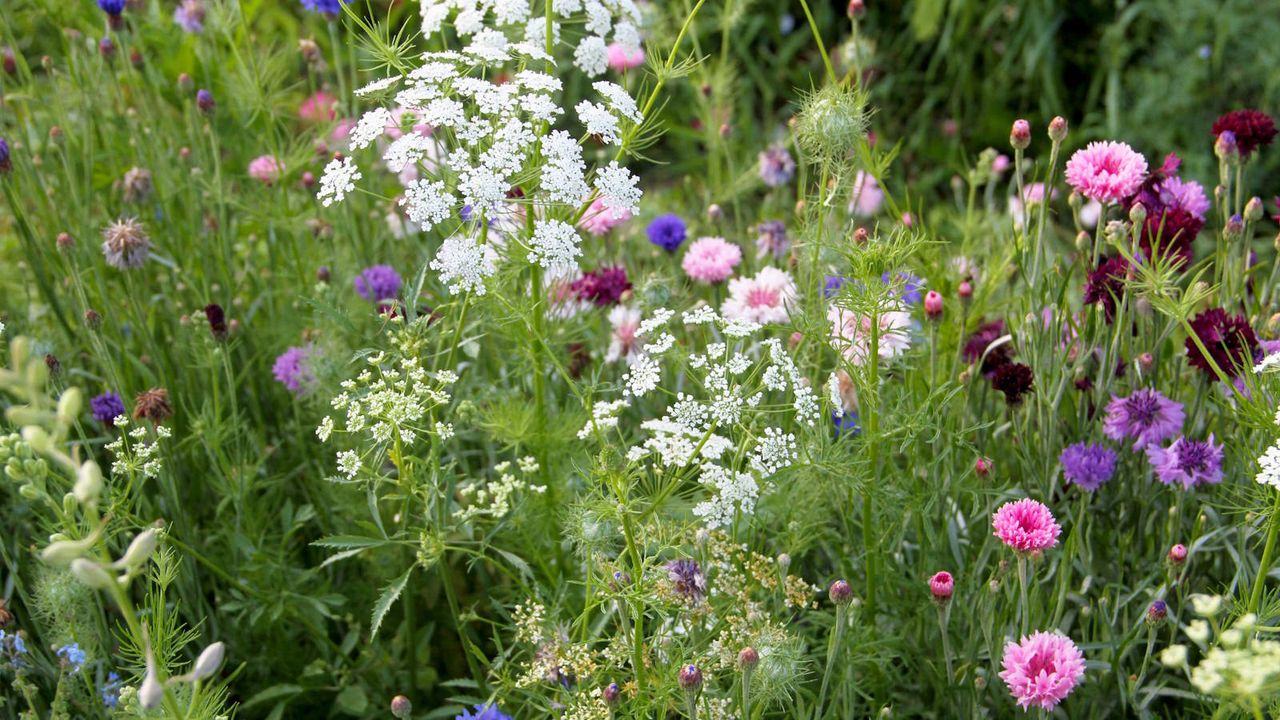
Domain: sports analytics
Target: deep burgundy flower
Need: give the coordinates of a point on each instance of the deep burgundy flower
(1014, 380)
(1228, 338)
(217, 320)
(1168, 234)
(1105, 285)
(1252, 129)
(603, 287)
(978, 342)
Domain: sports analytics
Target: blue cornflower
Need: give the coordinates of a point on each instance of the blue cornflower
(905, 285)
(834, 284)
(74, 656)
(107, 407)
(331, 7)
(1088, 465)
(5, 164)
(846, 423)
(112, 7)
(484, 712)
(667, 232)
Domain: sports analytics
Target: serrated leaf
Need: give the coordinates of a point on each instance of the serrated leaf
(388, 598)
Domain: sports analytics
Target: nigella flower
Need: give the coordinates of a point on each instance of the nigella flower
(1014, 380)
(328, 7)
(125, 244)
(1105, 285)
(904, 286)
(1042, 669)
(667, 232)
(603, 287)
(1146, 416)
(1187, 462)
(1229, 339)
(73, 656)
(293, 369)
(851, 334)
(978, 347)
(1106, 171)
(483, 712)
(1252, 129)
(1088, 465)
(771, 238)
(777, 167)
(833, 286)
(190, 15)
(110, 690)
(1026, 526)
(107, 407)
(687, 580)
(379, 282)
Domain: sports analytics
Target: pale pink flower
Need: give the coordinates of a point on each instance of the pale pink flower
(851, 334)
(765, 298)
(622, 343)
(599, 220)
(1032, 195)
(867, 196)
(621, 59)
(342, 130)
(1026, 526)
(317, 108)
(266, 169)
(711, 259)
(1042, 670)
(1106, 171)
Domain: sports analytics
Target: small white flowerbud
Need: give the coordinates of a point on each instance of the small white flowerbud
(91, 573)
(139, 550)
(1206, 605)
(38, 439)
(1174, 656)
(62, 552)
(209, 661)
(69, 405)
(151, 694)
(88, 487)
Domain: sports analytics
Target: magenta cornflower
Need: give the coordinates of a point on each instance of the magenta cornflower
(1088, 465)
(711, 259)
(1229, 339)
(1146, 416)
(603, 287)
(1189, 463)
(1042, 670)
(266, 169)
(1026, 526)
(1107, 172)
(379, 282)
(293, 369)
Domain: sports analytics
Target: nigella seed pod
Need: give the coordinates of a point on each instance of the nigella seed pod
(840, 592)
(401, 707)
(1020, 134)
(748, 658)
(204, 101)
(612, 694)
(690, 678)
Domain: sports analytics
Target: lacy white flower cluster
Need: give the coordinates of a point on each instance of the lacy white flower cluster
(461, 141)
(728, 417)
(390, 401)
(132, 454)
(1239, 666)
(1269, 462)
(493, 499)
(596, 24)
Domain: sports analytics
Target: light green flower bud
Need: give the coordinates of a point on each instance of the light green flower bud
(69, 405)
(91, 573)
(38, 439)
(88, 487)
(62, 552)
(139, 550)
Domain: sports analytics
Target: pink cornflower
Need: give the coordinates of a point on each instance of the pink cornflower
(621, 59)
(851, 334)
(599, 220)
(1026, 526)
(266, 169)
(942, 585)
(317, 108)
(622, 343)
(1106, 171)
(867, 196)
(1042, 670)
(765, 298)
(711, 259)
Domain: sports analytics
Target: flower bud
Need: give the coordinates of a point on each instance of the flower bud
(860, 237)
(204, 101)
(37, 438)
(91, 573)
(1253, 209)
(1020, 134)
(62, 552)
(1235, 228)
(106, 48)
(690, 678)
(856, 9)
(209, 661)
(612, 694)
(1138, 214)
(1225, 147)
(933, 305)
(714, 213)
(965, 291)
(840, 592)
(1177, 555)
(144, 543)
(88, 487)
(941, 586)
(982, 466)
(748, 658)
(70, 404)
(1157, 612)
(150, 694)
(401, 707)
(1058, 129)
(185, 83)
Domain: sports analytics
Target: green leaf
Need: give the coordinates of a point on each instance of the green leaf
(347, 542)
(389, 595)
(352, 700)
(275, 692)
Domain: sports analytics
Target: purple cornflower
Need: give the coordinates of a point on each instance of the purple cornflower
(331, 7)
(293, 369)
(905, 285)
(777, 167)
(190, 15)
(667, 232)
(1088, 465)
(5, 164)
(603, 287)
(204, 101)
(379, 282)
(107, 407)
(771, 238)
(1187, 462)
(687, 580)
(483, 712)
(1146, 416)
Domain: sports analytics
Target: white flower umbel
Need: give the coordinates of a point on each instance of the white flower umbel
(465, 264)
(339, 178)
(555, 245)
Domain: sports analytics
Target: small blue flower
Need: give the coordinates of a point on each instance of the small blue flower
(905, 285)
(667, 232)
(846, 423)
(484, 712)
(834, 284)
(112, 7)
(331, 7)
(74, 656)
(110, 690)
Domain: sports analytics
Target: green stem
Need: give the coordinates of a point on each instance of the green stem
(1022, 593)
(1268, 555)
(833, 645)
(822, 48)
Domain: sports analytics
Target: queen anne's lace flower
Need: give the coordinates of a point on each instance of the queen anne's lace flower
(464, 264)
(555, 245)
(339, 178)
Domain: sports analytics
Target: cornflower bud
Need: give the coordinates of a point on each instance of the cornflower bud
(941, 586)
(1177, 555)
(106, 48)
(1225, 147)
(856, 9)
(1138, 214)
(690, 678)
(1157, 612)
(5, 164)
(965, 291)
(204, 101)
(933, 305)
(861, 236)
(401, 707)
(612, 694)
(748, 658)
(1020, 134)
(982, 466)
(840, 592)
(1058, 129)
(1235, 227)
(1253, 209)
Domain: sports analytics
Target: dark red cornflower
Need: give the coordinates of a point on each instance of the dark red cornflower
(602, 287)
(1229, 339)
(1014, 380)
(1252, 129)
(978, 342)
(1168, 235)
(1105, 285)
(217, 321)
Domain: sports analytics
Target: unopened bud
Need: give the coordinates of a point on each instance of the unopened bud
(612, 694)
(1058, 129)
(1253, 209)
(982, 466)
(1226, 148)
(1020, 134)
(748, 658)
(1177, 555)
(690, 678)
(856, 9)
(209, 661)
(860, 236)
(139, 550)
(88, 487)
(1235, 227)
(941, 586)
(91, 574)
(840, 592)
(933, 305)
(1138, 214)
(401, 707)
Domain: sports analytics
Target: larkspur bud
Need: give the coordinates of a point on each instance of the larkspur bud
(1020, 134)
(748, 658)
(151, 693)
(1177, 554)
(840, 592)
(1058, 129)
(690, 678)
(933, 305)
(88, 487)
(208, 662)
(612, 694)
(401, 708)
(139, 550)
(91, 573)
(1253, 209)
